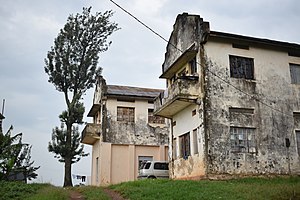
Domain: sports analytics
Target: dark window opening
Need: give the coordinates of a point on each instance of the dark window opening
(241, 67)
(298, 141)
(161, 166)
(295, 73)
(193, 66)
(185, 150)
(240, 46)
(194, 112)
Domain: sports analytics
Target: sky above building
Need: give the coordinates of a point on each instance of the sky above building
(28, 29)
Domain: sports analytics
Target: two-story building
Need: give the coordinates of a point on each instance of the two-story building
(124, 132)
(233, 102)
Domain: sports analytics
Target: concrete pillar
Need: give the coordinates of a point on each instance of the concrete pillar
(105, 166)
(132, 162)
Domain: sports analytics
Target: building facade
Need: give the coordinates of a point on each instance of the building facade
(124, 132)
(233, 102)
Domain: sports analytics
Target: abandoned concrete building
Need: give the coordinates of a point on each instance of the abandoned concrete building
(233, 102)
(124, 132)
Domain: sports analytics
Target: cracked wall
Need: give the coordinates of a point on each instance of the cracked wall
(139, 132)
(271, 126)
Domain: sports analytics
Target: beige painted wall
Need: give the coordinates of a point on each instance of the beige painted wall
(119, 163)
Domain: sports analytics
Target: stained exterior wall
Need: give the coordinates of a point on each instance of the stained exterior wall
(272, 86)
(264, 107)
(138, 132)
(115, 154)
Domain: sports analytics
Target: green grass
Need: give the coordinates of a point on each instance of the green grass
(18, 190)
(247, 188)
(92, 193)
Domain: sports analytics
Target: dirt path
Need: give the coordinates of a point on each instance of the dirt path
(74, 195)
(112, 194)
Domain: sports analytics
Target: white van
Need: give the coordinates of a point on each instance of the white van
(154, 169)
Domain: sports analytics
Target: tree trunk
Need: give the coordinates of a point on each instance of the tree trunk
(68, 158)
(68, 179)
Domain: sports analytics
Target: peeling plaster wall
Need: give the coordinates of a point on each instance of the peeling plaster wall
(272, 85)
(193, 166)
(139, 132)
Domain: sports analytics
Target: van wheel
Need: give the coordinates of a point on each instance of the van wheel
(151, 177)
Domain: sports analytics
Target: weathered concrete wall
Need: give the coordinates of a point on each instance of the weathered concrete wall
(187, 30)
(186, 122)
(272, 86)
(139, 132)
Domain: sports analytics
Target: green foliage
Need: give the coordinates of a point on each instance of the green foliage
(58, 145)
(15, 156)
(248, 188)
(71, 65)
(18, 190)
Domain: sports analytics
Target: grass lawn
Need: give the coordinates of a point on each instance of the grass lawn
(246, 188)
(19, 190)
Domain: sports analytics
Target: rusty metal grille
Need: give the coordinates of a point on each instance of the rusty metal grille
(125, 114)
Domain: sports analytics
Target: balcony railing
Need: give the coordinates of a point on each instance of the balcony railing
(90, 133)
(183, 92)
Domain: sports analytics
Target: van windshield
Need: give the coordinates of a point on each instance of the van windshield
(146, 165)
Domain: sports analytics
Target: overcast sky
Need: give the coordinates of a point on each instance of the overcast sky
(28, 29)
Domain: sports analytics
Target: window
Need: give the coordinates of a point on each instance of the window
(298, 141)
(125, 114)
(193, 66)
(154, 119)
(195, 141)
(242, 140)
(194, 112)
(184, 142)
(295, 73)
(161, 166)
(241, 67)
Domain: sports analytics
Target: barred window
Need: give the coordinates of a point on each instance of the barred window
(242, 140)
(154, 119)
(241, 67)
(125, 114)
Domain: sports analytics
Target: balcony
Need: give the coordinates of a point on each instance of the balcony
(90, 133)
(182, 93)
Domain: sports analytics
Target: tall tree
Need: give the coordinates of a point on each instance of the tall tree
(72, 68)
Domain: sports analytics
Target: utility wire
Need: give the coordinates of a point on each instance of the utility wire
(214, 74)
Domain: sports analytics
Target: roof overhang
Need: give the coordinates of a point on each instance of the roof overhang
(185, 57)
(94, 110)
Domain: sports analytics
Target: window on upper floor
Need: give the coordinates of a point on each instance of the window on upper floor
(242, 140)
(125, 114)
(184, 142)
(295, 73)
(241, 67)
(154, 119)
(193, 66)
